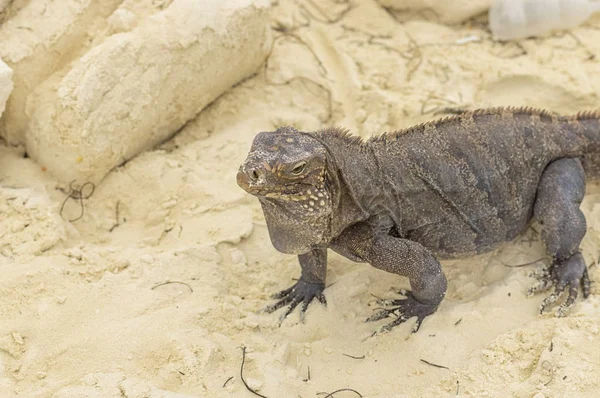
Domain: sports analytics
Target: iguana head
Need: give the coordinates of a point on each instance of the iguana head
(287, 171)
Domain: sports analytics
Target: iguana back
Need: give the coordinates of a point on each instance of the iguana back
(464, 184)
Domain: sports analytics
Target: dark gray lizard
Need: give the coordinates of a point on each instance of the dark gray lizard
(455, 187)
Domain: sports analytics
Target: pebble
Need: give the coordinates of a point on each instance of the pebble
(169, 204)
(18, 339)
(361, 115)
(255, 384)
(172, 163)
(237, 256)
(146, 258)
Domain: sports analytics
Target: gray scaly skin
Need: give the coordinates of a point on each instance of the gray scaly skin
(451, 188)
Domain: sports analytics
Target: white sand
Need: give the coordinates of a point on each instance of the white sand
(83, 315)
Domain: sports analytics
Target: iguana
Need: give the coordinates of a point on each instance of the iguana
(455, 187)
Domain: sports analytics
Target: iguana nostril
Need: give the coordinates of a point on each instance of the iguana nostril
(250, 176)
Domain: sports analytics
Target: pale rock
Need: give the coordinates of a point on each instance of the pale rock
(237, 256)
(146, 258)
(445, 11)
(6, 84)
(136, 89)
(255, 384)
(42, 37)
(122, 20)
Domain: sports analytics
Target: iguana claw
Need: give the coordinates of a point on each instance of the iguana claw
(570, 274)
(301, 292)
(404, 309)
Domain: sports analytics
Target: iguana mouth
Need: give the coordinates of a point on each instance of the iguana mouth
(295, 193)
(283, 194)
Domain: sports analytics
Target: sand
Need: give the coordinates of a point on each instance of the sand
(87, 311)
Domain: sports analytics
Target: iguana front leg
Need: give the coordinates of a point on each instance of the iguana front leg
(402, 257)
(310, 285)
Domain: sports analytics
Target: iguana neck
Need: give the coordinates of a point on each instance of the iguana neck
(351, 169)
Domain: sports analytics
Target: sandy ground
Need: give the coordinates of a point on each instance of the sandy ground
(85, 311)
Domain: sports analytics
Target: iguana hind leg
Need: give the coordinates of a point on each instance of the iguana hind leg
(559, 196)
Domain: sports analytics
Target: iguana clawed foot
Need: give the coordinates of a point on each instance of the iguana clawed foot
(301, 293)
(403, 310)
(569, 274)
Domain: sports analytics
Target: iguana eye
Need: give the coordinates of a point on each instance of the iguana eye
(298, 168)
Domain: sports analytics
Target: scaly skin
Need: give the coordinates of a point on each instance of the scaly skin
(450, 188)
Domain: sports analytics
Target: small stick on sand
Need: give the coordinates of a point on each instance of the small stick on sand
(242, 374)
(308, 375)
(171, 282)
(523, 265)
(436, 365)
(546, 365)
(117, 223)
(353, 357)
(340, 390)
(77, 195)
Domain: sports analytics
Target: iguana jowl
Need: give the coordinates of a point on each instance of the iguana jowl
(445, 189)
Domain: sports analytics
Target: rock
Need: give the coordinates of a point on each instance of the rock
(6, 85)
(122, 20)
(237, 256)
(445, 11)
(40, 38)
(136, 89)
